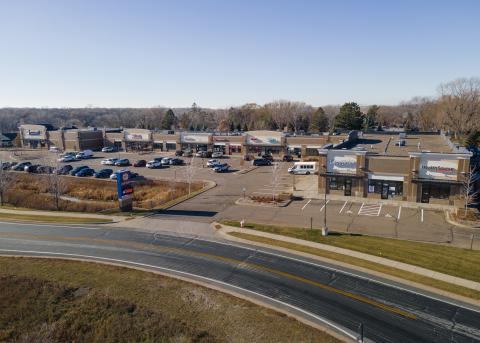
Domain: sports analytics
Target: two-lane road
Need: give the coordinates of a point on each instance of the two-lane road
(321, 293)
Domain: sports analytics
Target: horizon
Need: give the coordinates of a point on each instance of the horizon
(149, 54)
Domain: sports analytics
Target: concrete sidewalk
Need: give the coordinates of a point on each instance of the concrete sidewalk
(380, 260)
(62, 214)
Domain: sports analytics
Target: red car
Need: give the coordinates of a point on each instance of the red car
(140, 163)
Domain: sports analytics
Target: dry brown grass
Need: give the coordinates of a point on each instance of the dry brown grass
(45, 300)
(268, 198)
(30, 191)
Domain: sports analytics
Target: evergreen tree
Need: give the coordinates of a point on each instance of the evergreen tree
(350, 117)
(319, 121)
(371, 117)
(168, 120)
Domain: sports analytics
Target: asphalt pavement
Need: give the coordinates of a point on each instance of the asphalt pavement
(340, 298)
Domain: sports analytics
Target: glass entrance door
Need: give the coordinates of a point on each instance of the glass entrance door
(348, 187)
(385, 190)
(425, 194)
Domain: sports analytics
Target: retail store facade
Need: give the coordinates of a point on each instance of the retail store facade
(419, 177)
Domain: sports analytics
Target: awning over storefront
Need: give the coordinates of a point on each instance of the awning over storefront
(386, 177)
(433, 181)
(219, 143)
(342, 174)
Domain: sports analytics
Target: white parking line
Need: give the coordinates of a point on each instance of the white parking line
(308, 202)
(321, 209)
(399, 212)
(379, 210)
(345, 204)
(422, 216)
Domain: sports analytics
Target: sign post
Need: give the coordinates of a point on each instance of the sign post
(124, 191)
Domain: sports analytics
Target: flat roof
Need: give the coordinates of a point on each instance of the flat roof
(385, 144)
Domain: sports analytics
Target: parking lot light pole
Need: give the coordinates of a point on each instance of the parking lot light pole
(325, 228)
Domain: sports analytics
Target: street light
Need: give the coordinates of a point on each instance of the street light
(325, 228)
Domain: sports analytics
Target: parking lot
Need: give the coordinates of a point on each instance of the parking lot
(351, 216)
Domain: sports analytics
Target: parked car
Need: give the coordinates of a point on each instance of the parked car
(45, 170)
(21, 166)
(176, 161)
(77, 169)
(212, 163)
(155, 164)
(166, 161)
(31, 168)
(85, 172)
(54, 149)
(140, 163)
(261, 162)
(122, 162)
(221, 168)
(268, 157)
(179, 153)
(67, 158)
(64, 170)
(187, 153)
(103, 174)
(217, 154)
(109, 161)
(130, 174)
(108, 149)
(84, 154)
(8, 165)
(201, 153)
(288, 158)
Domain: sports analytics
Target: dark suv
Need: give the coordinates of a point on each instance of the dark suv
(261, 162)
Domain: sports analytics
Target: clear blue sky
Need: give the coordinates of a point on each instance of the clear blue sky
(223, 53)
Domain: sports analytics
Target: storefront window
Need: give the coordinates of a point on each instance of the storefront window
(236, 148)
(171, 146)
(439, 191)
(382, 186)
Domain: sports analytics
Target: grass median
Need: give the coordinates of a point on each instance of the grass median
(57, 300)
(453, 261)
(52, 219)
(445, 286)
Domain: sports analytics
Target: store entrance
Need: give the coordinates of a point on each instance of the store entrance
(385, 191)
(348, 187)
(425, 194)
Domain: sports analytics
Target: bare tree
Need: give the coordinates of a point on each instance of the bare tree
(470, 191)
(460, 103)
(275, 178)
(6, 180)
(190, 173)
(55, 183)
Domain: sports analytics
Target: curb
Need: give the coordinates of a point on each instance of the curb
(223, 232)
(451, 221)
(242, 202)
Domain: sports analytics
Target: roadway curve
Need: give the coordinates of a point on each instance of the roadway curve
(319, 292)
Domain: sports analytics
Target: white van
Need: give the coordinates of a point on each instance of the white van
(84, 154)
(303, 168)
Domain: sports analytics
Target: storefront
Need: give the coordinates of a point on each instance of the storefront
(342, 172)
(34, 136)
(138, 140)
(438, 178)
(196, 141)
(385, 186)
(264, 142)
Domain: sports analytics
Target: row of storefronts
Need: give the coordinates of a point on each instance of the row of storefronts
(249, 143)
(419, 177)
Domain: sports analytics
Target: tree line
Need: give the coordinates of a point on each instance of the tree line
(455, 108)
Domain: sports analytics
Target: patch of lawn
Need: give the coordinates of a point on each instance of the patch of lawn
(466, 292)
(52, 219)
(48, 300)
(458, 262)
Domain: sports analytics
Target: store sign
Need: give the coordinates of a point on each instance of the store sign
(33, 134)
(135, 136)
(124, 191)
(196, 139)
(263, 140)
(344, 164)
(438, 169)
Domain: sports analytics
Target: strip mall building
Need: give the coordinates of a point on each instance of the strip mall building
(415, 167)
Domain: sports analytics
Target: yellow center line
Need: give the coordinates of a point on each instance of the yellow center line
(229, 260)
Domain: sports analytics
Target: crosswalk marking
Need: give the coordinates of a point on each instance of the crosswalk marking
(370, 210)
